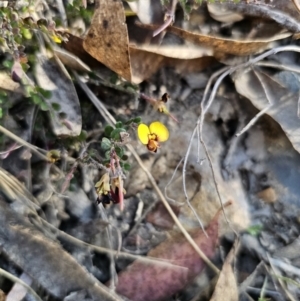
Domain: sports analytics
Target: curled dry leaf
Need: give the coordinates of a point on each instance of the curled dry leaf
(150, 282)
(107, 39)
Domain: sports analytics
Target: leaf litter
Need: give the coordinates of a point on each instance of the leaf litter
(254, 157)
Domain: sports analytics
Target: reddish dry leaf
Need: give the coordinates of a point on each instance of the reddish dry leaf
(107, 39)
(151, 282)
(160, 217)
(226, 287)
(229, 46)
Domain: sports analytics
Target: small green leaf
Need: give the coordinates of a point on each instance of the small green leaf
(107, 131)
(44, 106)
(105, 143)
(126, 166)
(36, 99)
(45, 93)
(119, 151)
(124, 157)
(119, 125)
(254, 230)
(8, 64)
(115, 134)
(55, 106)
(137, 120)
(107, 155)
(82, 136)
(26, 33)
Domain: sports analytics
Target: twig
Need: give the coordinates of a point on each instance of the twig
(169, 183)
(288, 294)
(205, 107)
(253, 120)
(170, 18)
(184, 181)
(17, 280)
(19, 140)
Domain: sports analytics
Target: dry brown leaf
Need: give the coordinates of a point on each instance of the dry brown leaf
(226, 287)
(150, 282)
(107, 39)
(6, 83)
(229, 46)
(107, 42)
(146, 60)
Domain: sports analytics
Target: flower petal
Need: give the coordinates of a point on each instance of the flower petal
(143, 132)
(160, 130)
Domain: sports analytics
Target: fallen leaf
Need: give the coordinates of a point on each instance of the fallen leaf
(146, 60)
(160, 217)
(66, 119)
(264, 91)
(6, 83)
(107, 39)
(107, 42)
(226, 287)
(229, 46)
(149, 282)
(283, 12)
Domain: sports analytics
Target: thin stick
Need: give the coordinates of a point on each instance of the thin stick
(19, 140)
(13, 278)
(253, 120)
(212, 96)
(184, 181)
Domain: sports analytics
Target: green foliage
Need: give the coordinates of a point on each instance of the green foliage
(114, 141)
(3, 103)
(255, 230)
(105, 143)
(75, 10)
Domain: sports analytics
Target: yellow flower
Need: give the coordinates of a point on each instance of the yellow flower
(152, 135)
(53, 155)
(56, 39)
(103, 186)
